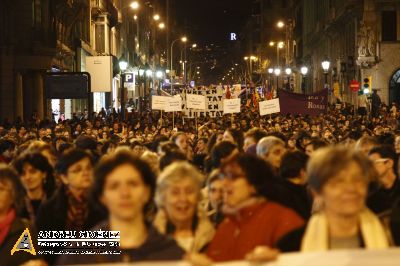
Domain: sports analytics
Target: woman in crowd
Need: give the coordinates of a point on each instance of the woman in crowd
(235, 136)
(220, 152)
(177, 197)
(46, 150)
(69, 208)
(36, 175)
(214, 200)
(181, 140)
(339, 177)
(11, 225)
(251, 220)
(125, 187)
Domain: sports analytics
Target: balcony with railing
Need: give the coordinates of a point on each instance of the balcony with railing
(105, 6)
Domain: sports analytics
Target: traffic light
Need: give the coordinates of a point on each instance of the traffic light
(367, 85)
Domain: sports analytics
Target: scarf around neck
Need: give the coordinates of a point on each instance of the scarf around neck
(316, 237)
(5, 225)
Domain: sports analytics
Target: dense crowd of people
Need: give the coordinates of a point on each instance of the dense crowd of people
(211, 189)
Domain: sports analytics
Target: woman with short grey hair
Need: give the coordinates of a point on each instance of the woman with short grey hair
(178, 194)
(339, 178)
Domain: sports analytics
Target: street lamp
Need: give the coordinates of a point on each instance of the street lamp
(159, 74)
(149, 73)
(303, 71)
(279, 45)
(123, 65)
(184, 40)
(280, 24)
(270, 70)
(277, 72)
(134, 5)
(161, 25)
(156, 17)
(288, 71)
(325, 66)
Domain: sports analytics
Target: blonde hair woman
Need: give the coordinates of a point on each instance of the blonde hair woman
(178, 195)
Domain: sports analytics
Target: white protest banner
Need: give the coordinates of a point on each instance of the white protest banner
(269, 107)
(194, 101)
(158, 102)
(214, 103)
(354, 257)
(231, 106)
(174, 104)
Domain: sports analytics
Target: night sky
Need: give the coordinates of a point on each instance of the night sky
(211, 21)
(209, 24)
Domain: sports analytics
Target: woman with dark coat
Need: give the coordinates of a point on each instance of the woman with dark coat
(36, 175)
(69, 208)
(125, 187)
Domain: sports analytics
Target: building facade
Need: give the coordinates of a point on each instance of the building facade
(361, 40)
(41, 36)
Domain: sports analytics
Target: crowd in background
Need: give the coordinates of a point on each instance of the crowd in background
(210, 189)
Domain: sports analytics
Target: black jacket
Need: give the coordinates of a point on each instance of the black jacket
(157, 247)
(52, 216)
(381, 200)
(295, 197)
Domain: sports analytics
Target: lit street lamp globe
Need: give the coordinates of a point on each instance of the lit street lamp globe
(277, 71)
(134, 5)
(288, 71)
(123, 65)
(270, 70)
(325, 65)
(159, 74)
(149, 73)
(304, 70)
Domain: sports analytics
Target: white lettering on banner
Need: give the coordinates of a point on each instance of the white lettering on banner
(214, 103)
(158, 102)
(312, 105)
(174, 104)
(269, 107)
(231, 106)
(233, 36)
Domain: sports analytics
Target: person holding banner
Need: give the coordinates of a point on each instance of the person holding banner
(339, 177)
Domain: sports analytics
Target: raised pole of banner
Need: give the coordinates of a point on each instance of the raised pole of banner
(173, 120)
(195, 119)
(161, 119)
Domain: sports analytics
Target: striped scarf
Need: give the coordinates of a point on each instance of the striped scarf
(77, 211)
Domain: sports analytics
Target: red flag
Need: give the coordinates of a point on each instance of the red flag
(228, 93)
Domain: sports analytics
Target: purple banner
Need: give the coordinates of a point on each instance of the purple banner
(310, 104)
